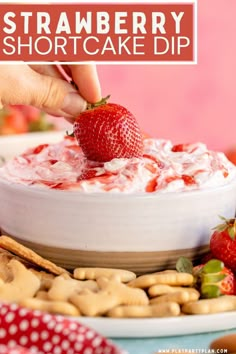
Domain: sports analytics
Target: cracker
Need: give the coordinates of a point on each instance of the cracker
(42, 295)
(94, 304)
(95, 273)
(5, 272)
(45, 278)
(57, 307)
(62, 289)
(127, 295)
(24, 283)
(181, 297)
(26, 253)
(167, 309)
(165, 277)
(205, 306)
(162, 289)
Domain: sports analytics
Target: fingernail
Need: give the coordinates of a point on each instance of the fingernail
(73, 104)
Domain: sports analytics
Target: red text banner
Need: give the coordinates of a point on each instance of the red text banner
(99, 32)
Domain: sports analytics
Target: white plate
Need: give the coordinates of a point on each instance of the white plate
(161, 327)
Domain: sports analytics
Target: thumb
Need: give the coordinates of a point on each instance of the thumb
(22, 85)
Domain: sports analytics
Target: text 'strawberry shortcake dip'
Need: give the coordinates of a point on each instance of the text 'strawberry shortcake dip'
(164, 167)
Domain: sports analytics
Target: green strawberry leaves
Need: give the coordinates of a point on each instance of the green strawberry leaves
(213, 266)
(228, 225)
(211, 276)
(207, 278)
(184, 265)
(232, 231)
(210, 291)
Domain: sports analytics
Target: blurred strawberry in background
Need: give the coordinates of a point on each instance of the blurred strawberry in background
(23, 119)
(12, 121)
(231, 154)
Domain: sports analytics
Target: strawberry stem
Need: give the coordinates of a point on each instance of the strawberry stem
(229, 225)
(72, 135)
(184, 265)
(99, 103)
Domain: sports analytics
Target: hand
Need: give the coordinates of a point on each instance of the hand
(46, 87)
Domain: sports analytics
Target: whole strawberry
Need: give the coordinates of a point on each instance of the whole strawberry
(108, 130)
(223, 243)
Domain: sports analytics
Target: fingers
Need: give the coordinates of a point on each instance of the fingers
(45, 87)
(86, 78)
(66, 70)
(50, 70)
(19, 84)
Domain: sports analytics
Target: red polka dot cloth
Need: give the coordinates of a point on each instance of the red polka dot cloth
(23, 331)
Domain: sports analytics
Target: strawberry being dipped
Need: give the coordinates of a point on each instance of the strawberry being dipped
(223, 243)
(108, 130)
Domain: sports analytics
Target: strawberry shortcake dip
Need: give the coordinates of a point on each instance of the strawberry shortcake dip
(163, 167)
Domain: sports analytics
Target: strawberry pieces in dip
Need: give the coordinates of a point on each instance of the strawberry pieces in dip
(160, 169)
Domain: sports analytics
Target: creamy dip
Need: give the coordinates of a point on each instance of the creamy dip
(164, 167)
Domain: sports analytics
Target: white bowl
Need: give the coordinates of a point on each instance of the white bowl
(137, 232)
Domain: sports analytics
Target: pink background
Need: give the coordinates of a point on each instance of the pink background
(186, 103)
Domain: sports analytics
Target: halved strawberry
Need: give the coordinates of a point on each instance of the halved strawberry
(212, 279)
(108, 130)
(215, 279)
